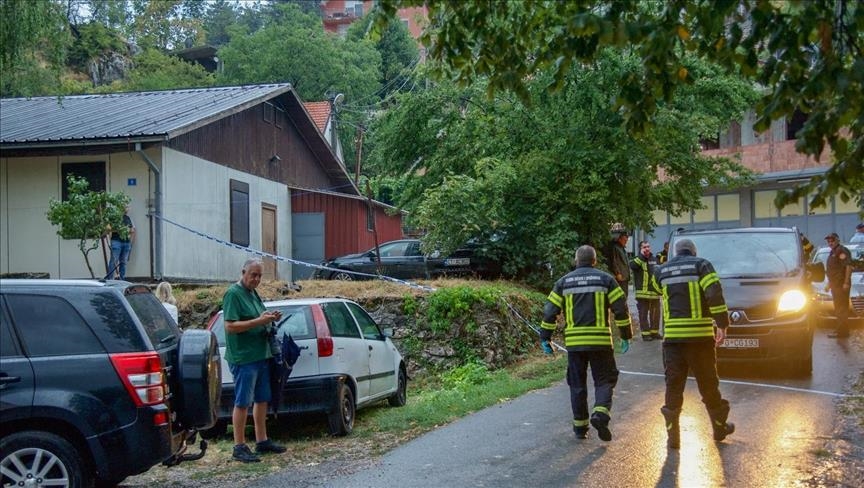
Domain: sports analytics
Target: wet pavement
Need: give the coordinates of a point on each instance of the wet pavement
(783, 428)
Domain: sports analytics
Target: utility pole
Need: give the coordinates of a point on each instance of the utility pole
(358, 143)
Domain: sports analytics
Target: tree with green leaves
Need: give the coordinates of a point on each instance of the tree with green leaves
(533, 181)
(87, 216)
(807, 55)
(34, 37)
(399, 53)
(294, 48)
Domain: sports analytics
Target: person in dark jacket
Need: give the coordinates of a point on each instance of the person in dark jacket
(695, 320)
(839, 273)
(647, 300)
(121, 248)
(619, 262)
(663, 255)
(584, 297)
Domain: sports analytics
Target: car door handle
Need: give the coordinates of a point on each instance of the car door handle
(5, 380)
(370, 348)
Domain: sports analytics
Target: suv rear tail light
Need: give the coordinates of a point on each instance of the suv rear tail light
(141, 374)
(325, 341)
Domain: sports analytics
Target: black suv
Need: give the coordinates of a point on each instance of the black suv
(97, 383)
(767, 286)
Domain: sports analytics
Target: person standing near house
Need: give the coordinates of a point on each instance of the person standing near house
(647, 300)
(695, 319)
(584, 296)
(839, 273)
(121, 248)
(247, 340)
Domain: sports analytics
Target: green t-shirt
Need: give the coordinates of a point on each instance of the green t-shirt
(250, 345)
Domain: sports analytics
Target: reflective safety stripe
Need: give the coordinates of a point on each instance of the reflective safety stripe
(548, 326)
(647, 294)
(575, 290)
(719, 309)
(683, 331)
(601, 410)
(568, 319)
(580, 423)
(555, 299)
(587, 336)
(708, 280)
(599, 311)
(695, 299)
(675, 280)
(622, 323)
(615, 294)
(690, 321)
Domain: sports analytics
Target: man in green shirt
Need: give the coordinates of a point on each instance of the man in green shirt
(247, 329)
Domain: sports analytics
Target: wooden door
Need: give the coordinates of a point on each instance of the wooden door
(268, 241)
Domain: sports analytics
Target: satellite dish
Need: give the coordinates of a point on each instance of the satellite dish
(338, 99)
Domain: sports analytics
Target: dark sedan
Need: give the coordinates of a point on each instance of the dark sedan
(403, 259)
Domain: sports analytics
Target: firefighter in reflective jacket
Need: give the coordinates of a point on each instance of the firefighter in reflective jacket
(584, 296)
(693, 305)
(647, 300)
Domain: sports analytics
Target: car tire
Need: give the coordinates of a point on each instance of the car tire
(342, 276)
(341, 421)
(200, 379)
(400, 397)
(23, 449)
(219, 429)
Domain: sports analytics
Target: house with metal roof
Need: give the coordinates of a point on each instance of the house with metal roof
(211, 172)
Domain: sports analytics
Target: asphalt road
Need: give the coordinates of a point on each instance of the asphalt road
(782, 425)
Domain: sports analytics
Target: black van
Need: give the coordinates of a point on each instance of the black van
(766, 282)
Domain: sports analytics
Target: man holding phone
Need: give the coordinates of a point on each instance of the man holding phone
(247, 326)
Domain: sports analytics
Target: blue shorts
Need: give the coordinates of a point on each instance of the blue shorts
(251, 378)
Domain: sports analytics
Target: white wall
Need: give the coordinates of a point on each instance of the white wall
(31, 244)
(196, 195)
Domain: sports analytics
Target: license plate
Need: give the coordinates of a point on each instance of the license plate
(740, 343)
(457, 262)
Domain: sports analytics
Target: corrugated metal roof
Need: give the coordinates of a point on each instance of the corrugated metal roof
(320, 113)
(124, 115)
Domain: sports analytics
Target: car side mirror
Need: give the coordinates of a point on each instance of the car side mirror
(387, 332)
(371, 255)
(816, 272)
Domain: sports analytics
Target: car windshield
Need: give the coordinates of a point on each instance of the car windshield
(296, 321)
(749, 254)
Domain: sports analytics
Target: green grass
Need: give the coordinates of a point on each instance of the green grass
(433, 404)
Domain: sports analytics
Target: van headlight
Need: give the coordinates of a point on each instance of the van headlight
(791, 301)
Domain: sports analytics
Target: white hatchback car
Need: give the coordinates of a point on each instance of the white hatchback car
(346, 362)
(824, 302)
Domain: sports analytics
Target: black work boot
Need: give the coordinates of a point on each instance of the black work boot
(673, 428)
(600, 421)
(721, 427)
(580, 428)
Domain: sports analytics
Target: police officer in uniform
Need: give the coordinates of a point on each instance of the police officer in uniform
(839, 271)
(584, 296)
(647, 300)
(692, 305)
